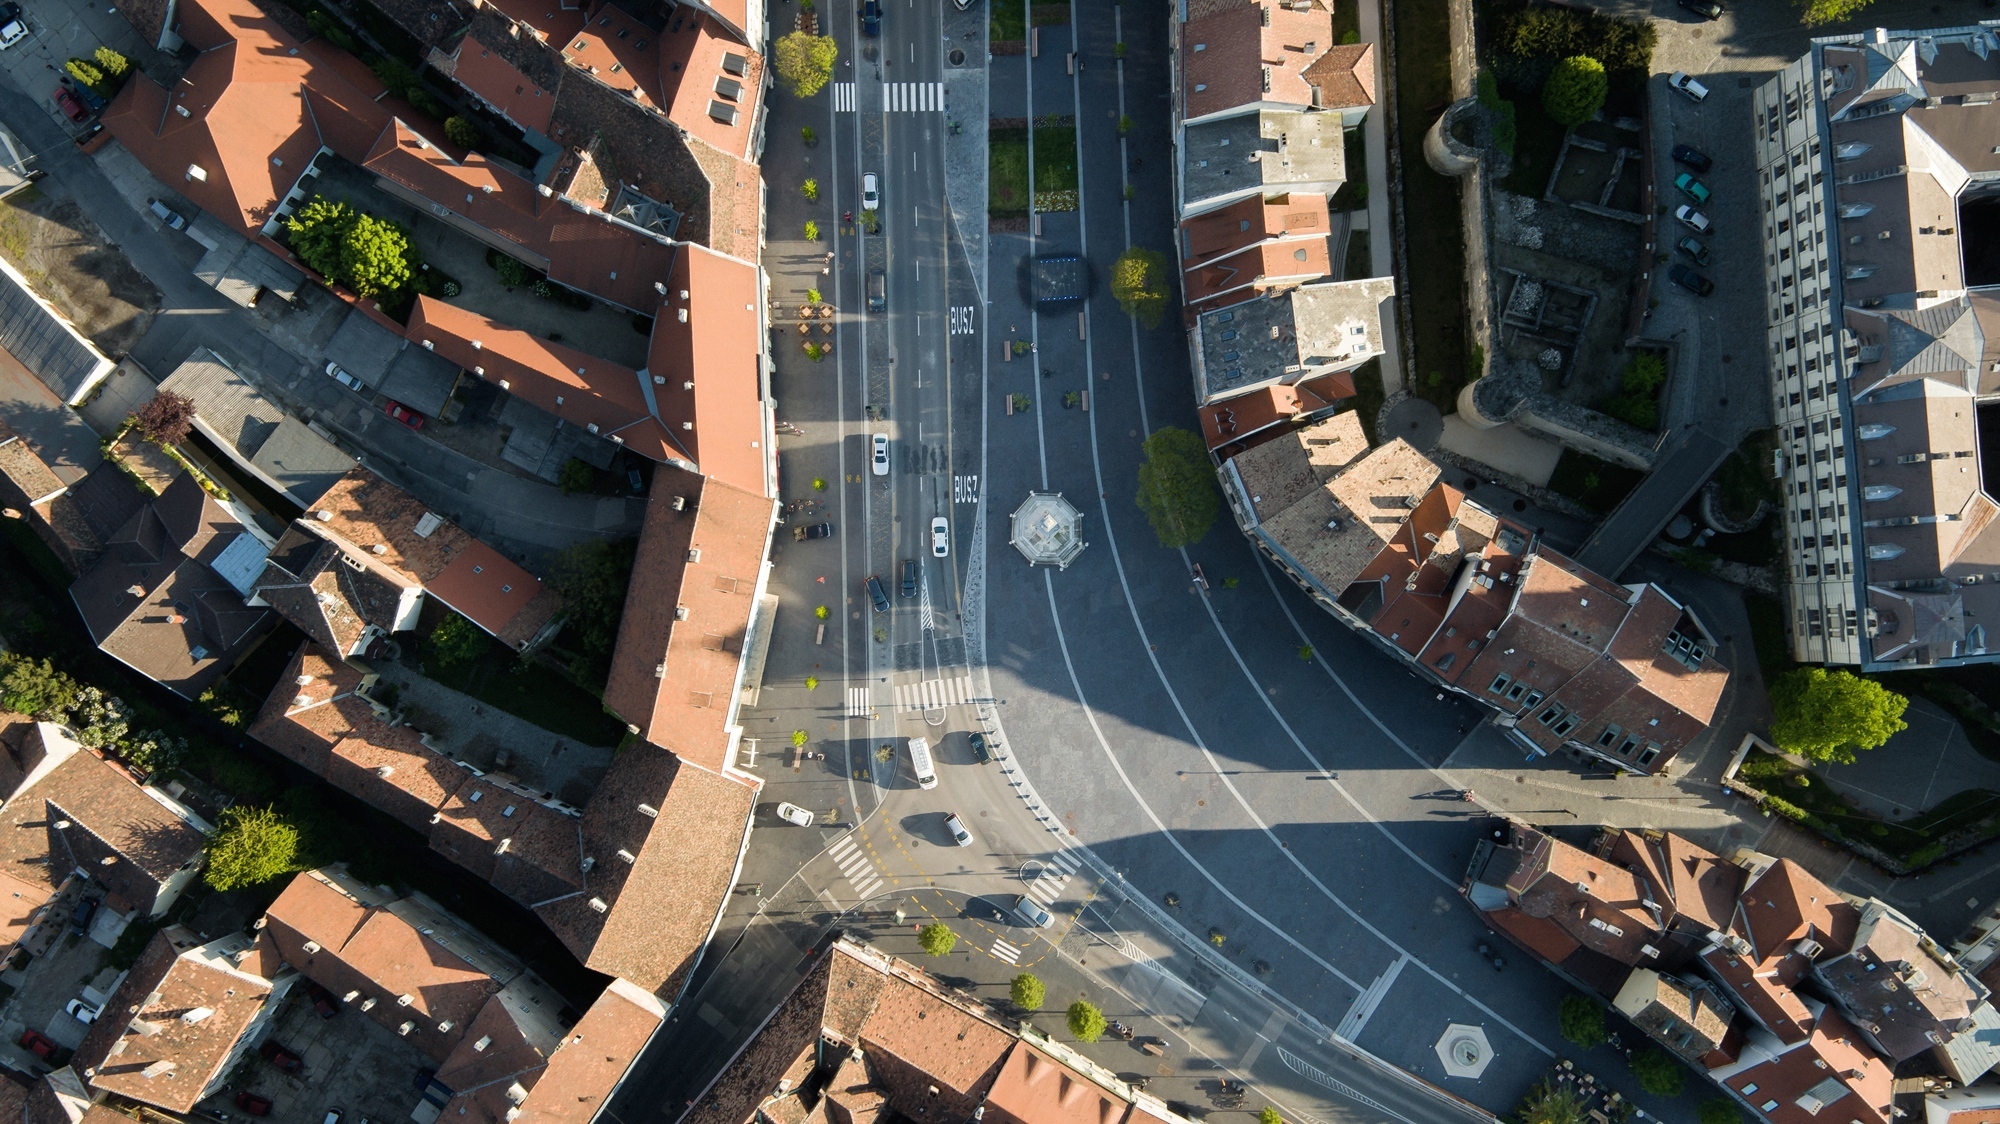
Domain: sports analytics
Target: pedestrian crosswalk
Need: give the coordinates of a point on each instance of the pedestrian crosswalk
(913, 97)
(934, 694)
(1049, 884)
(856, 866)
(1006, 952)
(843, 97)
(857, 702)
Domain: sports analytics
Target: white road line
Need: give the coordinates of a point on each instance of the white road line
(843, 97)
(842, 847)
(1066, 861)
(1317, 1076)
(1007, 952)
(934, 694)
(854, 864)
(863, 889)
(857, 702)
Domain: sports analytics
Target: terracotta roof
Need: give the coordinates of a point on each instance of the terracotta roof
(1786, 904)
(1601, 905)
(1034, 1088)
(1832, 1076)
(1345, 75)
(1254, 271)
(709, 84)
(493, 1057)
(635, 149)
(131, 840)
(174, 1022)
(1764, 990)
(498, 81)
(1251, 53)
(713, 396)
(29, 484)
(1702, 887)
(594, 1057)
(1899, 987)
(617, 50)
(303, 721)
(645, 918)
(688, 609)
(337, 602)
(1233, 419)
(526, 849)
(1243, 224)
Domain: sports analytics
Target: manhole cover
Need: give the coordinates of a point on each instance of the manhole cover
(957, 57)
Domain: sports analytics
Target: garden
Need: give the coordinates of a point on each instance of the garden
(1055, 178)
(371, 257)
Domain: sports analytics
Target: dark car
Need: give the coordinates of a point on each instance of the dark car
(1693, 157)
(878, 290)
(94, 103)
(909, 577)
(322, 1001)
(1694, 249)
(9, 12)
(1706, 9)
(79, 918)
(403, 414)
(817, 531)
(253, 1104)
(875, 594)
(980, 752)
(871, 17)
(38, 1044)
(72, 108)
(1691, 281)
(279, 1056)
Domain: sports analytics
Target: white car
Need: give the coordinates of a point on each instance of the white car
(957, 828)
(1691, 218)
(14, 32)
(82, 1012)
(940, 537)
(341, 376)
(870, 197)
(1684, 82)
(793, 814)
(881, 458)
(1029, 912)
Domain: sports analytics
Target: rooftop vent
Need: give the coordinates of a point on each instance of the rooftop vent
(600, 905)
(406, 1028)
(312, 947)
(161, 1068)
(196, 1014)
(405, 1000)
(485, 1040)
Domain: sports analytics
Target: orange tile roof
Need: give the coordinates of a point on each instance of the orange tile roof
(593, 1058)
(705, 345)
(1251, 272)
(617, 50)
(1225, 56)
(1345, 75)
(485, 586)
(518, 97)
(1034, 1088)
(557, 19)
(1244, 224)
(691, 80)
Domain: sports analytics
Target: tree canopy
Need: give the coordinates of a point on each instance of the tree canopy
(1576, 90)
(35, 688)
(375, 256)
(253, 845)
(1549, 1103)
(460, 131)
(1581, 1019)
(455, 640)
(1139, 281)
(591, 578)
(1177, 487)
(937, 938)
(315, 230)
(1027, 992)
(1720, 1110)
(805, 62)
(1659, 1072)
(1086, 1021)
(1826, 715)
(166, 417)
(1813, 13)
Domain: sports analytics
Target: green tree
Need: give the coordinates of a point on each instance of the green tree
(1813, 13)
(1659, 1073)
(85, 72)
(1718, 1111)
(1581, 1019)
(1027, 992)
(1826, 715)
(1086, 1021)
(316, 230)
(454, 641)
(330, 30)
(1269, 1115)
(1548, 1103)
(152, 751)
(591, 577)
(253, 845)
(166, 417)
(1177, 487)
(512, 272)
(937, 938)
(1576, 90)
(401, 80)
(114, 65)
(576, 476)
(1637, 402)
(461, 131)
(35, 689)
(805, 62)
(1139, 281)
(375, 256)
(101, 721)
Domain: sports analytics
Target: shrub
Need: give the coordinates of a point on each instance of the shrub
(166, 418)
(576, 476)
(252, 846)
(1086, 1022)
(811, 231)
(1718, 1111)
(1825, 715)
(810, 189)
(1576, 90)
(807, 135)
(591, 577)
(805, 62)
(35, 689)
(1548, 1103)
(1139, 281)
(937, 938)
(455, 640)
(1659, 1073)
(460, 131)
(85, 72)
(327, 28)
(1267, 1114)
(1027, 992)
(1581, 1019)
(1177, 487)
(1813, 13)
(114, 65)
(1505, 131)
(511, 271)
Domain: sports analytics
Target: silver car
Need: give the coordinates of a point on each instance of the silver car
(957, 828)
(1029, 912)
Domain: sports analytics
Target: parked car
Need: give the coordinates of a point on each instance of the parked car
(1692, 218)
(1694, 249)
(793, 814)
(1029, 912)
(79, 918)
(38, 1044)
(909, 577)
(332, 1116)
(815, 531)
(940, 537)
(1706, 9)
(403, 414)
(1684, 82)
(252, 1103)
(82, 1012)
(12, 32)
(878, 290)
(166, 215)
(875, 594)
(956, 826)
(279, 1056)
(880, 457)
(1691, 281)
(1693, 157)
(870, 197)
(322, 1001)
(871, 17)
(340, 375)
(72, 108)
(84, 94)
(980, 752)
(1691, 187)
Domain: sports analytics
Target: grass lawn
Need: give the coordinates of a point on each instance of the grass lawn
(1596, 484)
(1007, 172)
(1008, 20)
(1358, 262)
(1049, 15)
(1436, 265)
(1368, 395)
(1537, 140)
(1055, 158)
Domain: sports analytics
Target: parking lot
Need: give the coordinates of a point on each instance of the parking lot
(59, 30)
(350, 1063)
(67, 967)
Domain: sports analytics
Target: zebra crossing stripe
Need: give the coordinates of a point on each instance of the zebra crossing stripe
(1066, 861)
(863, 889)
(857, 702)
(1047, 890)
(1007, 952)
(853, 863)
(842, 847)
(843, 97)
(934, 694)
(913, 97)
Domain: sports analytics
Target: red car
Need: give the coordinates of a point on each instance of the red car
(403, 414)
(322, 1001)
(279, 1056)
(253, 1104)
(37, 1043)
(71, 107)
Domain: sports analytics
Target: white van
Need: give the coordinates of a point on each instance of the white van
(920, 763)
